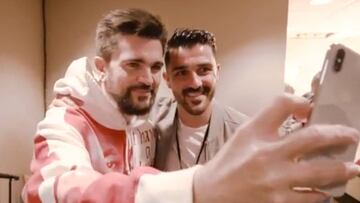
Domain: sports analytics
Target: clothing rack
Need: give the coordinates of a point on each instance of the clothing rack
(10, 178)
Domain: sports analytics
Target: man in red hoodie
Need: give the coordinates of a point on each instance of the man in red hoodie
(97, 144)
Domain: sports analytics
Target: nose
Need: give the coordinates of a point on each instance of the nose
(146, 77)
(194, 80)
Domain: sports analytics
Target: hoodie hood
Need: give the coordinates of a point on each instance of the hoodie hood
(82, 82)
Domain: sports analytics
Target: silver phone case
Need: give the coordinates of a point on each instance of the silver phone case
(338, 100)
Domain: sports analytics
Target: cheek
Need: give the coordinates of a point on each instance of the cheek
(177, 85)
(157, 79)
(116, 81)
(209, 82)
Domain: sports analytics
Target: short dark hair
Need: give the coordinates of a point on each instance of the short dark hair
(127, 22)
(185, 37)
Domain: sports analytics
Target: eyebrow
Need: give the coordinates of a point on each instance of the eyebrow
(205, 64)
(178, 68)
(135, 60)
(138, 60)
(160, 63)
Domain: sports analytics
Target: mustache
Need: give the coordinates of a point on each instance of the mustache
(202, 89)
(141, 87)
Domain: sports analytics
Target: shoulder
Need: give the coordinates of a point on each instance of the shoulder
(64, 120)
(161, 108)
(164, 101)
(234, 116)
(233, 119)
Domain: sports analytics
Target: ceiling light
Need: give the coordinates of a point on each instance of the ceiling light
(320, 2)
(311, 35)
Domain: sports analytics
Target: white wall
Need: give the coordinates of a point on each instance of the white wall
(21, 86)
(251, 36)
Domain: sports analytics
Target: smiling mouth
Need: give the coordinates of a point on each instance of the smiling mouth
(141, 91)
(195, 102)
(194, 98)
(193, 94)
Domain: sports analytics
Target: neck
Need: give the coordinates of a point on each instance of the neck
(194, 121)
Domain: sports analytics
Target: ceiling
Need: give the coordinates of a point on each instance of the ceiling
(337, 18)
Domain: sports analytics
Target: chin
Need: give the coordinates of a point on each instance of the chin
(196, 111)
(143, 105)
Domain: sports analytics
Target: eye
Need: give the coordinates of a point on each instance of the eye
(204, 70)
(156, 68)
(180, 73)
(133, 65)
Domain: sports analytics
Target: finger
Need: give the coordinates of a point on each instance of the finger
(324, 173)
(318, 138)
(270, 119)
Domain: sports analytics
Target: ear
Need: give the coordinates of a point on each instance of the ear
(166, 78)
(100, 64)
(218, 67)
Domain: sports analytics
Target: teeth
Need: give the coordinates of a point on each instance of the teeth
(194, 94)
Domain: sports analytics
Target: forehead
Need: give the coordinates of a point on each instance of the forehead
(187, 56)
(135, 47)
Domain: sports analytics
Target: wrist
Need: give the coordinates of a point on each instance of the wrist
(199, 187)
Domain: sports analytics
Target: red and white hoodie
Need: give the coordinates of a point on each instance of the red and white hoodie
(90, 152)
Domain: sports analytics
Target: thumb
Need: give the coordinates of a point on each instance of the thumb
(271, 117)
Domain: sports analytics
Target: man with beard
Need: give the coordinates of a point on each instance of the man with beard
(95, 125)
(95, 141)
(199, 126)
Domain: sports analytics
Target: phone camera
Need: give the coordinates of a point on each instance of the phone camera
(339, 59)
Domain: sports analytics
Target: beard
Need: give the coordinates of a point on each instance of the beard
(203, 90)
(131, 105)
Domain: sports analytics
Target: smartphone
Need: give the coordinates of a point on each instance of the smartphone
(338, 99)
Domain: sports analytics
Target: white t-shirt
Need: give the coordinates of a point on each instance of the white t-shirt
(190, 140)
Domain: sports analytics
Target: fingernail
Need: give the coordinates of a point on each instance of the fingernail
(353, 169)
